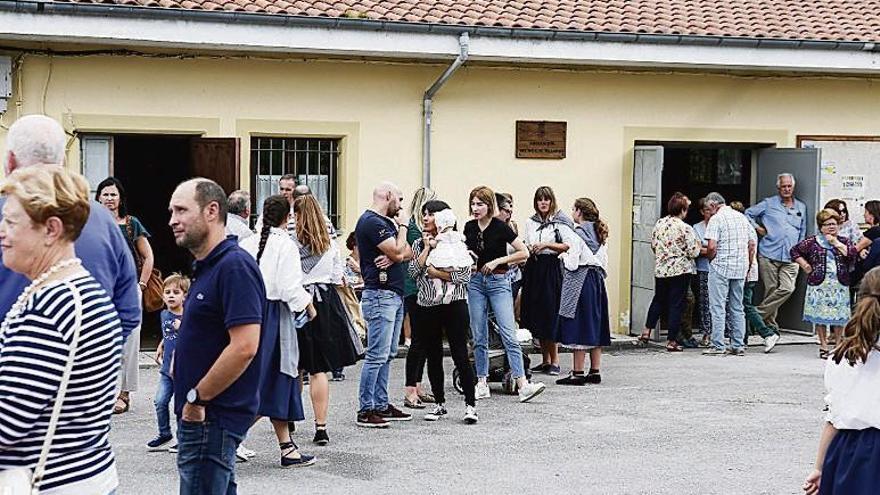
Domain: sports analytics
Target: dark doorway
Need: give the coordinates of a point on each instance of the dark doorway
(697, 171)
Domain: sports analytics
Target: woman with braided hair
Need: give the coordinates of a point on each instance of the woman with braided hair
(278, 257)
(328, 341)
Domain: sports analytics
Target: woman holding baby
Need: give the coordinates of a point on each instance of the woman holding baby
(441, 268)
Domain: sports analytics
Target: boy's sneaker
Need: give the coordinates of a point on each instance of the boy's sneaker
(470, 415)
(369, 419)
(770, 342)
(530, 391)
(392, 413)
(553, 370)
(173, 449)
(160, 443)
(714, 351)
(482, 391)
(438, 412)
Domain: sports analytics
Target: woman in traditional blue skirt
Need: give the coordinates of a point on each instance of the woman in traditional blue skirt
(542, 276)
(848, 461)
(583, 324)
(329, 341)
(280, 390)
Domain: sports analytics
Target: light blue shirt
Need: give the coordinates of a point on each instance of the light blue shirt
(702, 261)
(785, 226)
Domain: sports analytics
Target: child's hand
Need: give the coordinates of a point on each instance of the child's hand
(176, 324)
(811, 485)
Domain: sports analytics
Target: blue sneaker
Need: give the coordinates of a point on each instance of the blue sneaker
(553, 370)
(160, 443)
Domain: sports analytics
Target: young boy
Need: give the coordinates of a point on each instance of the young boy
(174, 290)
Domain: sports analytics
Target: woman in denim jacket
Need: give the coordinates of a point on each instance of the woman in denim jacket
(827, 259)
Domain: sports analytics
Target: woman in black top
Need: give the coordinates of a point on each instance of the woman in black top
(489, 288)
(869, 250)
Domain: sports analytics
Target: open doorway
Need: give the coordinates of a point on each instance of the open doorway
(150, 166)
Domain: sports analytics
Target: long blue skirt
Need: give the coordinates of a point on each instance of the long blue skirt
(590, 326)
(280, 395)
(852, 463)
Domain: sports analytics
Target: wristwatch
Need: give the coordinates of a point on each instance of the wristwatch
(192, 397)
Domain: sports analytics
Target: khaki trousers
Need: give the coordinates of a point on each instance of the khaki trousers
(779, 280)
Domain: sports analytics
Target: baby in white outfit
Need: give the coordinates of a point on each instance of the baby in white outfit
(450, 254)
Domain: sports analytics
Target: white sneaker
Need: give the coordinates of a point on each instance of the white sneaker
(482, 391)
(241, 454)
(770, 342)
(470, 415)
(530, 391)
(437, 413)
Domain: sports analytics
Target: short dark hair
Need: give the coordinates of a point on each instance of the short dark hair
(434, 206)
(351, 241)
(288, 177)
(207, 192)
(677, 204)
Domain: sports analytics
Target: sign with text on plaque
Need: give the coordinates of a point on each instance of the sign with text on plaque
(540, 139)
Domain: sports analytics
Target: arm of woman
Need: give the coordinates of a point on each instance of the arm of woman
(864, 243)
(811, 485)
(799, 254)
(146, 252)
(521, 254)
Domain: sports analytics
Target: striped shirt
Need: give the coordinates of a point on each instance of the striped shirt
(34, 349)
(431, 293)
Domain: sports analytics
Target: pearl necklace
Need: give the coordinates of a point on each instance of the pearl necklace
(19, 305)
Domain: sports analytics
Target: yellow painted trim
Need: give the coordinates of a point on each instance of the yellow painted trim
(347, 132)
(777, 137)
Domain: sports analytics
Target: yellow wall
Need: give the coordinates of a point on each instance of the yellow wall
(376, 109)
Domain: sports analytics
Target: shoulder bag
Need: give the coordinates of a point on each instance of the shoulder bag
(153, 291)
(20, 481)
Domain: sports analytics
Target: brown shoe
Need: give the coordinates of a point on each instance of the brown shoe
(392, 413)
(369, 419)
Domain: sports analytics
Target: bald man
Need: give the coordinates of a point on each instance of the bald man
(381, 240)
(38, 140)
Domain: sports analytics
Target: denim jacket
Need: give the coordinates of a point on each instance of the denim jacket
(815, 255)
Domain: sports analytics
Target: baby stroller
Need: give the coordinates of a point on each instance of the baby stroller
(499, 368)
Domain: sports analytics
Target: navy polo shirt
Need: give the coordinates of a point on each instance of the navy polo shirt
(227, 291)
(372, 229)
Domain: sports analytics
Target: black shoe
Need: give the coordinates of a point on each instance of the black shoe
(369, 419)
(541, 368)
(321, 437)
(338, 376)
(305, 379)
(160, 443)
(392, 413)
(572, 379)
(593, 378)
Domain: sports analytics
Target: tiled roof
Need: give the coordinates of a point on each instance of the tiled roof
(830, 20)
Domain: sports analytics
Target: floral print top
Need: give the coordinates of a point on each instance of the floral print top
(675, 246)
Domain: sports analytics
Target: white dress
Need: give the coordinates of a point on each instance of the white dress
(450, 252)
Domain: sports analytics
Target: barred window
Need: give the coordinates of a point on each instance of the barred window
(313, 161)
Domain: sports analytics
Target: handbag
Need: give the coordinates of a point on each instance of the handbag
(20, 481)
(152, 293)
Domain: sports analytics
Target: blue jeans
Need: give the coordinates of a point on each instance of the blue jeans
(206, 458)
(383, 312)
(493, 291)
(726, 299)
(164, 392)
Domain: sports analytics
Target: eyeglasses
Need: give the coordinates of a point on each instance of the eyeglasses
(829, 224)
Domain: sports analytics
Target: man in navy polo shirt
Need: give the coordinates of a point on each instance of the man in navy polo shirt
(216, 364)
(381, 240)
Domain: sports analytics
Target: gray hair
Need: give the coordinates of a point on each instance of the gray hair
(238, 202)
(36, 140)
(715, 199)
(782, 176)
(301, 190)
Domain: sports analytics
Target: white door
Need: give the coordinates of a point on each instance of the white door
(647, 178)
(804, 165)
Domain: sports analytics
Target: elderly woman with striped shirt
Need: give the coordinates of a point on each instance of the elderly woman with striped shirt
(63, 335)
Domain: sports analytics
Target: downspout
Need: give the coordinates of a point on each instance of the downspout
(428, 102)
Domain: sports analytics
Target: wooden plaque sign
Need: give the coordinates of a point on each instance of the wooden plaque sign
(540, 139)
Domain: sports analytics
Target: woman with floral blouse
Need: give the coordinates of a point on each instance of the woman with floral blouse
(675, 247)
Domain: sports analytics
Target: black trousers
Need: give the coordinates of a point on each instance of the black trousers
(670, 299)
(428, 323)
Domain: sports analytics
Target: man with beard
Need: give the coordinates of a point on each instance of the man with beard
(217, 362)
(381, 240)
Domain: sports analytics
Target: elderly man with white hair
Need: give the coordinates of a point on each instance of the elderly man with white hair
(238, 212)
(38, 140)
(731, 248)
(781, 221)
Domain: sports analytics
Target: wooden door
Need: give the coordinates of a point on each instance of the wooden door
(217, 159)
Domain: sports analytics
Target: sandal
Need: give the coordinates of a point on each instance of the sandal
(122, 404)
(824, 353)
(674, 348)
(645, 338)
(416, 404)
(426, 398)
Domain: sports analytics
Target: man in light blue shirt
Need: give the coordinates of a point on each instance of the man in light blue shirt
(781, 221)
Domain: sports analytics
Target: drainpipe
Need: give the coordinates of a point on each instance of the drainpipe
(427, 104)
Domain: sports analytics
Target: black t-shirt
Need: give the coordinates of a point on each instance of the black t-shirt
(873, 233)
(489, 244)
(371, 230)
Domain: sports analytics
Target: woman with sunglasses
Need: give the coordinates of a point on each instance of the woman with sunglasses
(827, 259)
(489, 290)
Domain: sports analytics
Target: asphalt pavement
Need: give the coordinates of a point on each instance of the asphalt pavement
(658, 423)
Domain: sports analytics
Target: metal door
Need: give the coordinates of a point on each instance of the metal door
(647, 178)
(803, 164)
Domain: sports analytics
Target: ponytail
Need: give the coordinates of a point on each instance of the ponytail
(264, 236)
(275, 212)
(590, 212)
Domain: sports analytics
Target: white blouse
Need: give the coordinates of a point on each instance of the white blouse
(329, 270)
(853, 395)
(534, 235)
(281, 268)
(579, 254)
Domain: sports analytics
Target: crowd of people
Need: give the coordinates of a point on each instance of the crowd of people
(268, 311)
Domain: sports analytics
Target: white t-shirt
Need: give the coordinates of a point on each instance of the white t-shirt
(853, 397)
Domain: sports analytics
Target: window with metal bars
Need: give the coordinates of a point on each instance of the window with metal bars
(313, 161)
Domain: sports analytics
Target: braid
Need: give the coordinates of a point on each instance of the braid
(264, 236)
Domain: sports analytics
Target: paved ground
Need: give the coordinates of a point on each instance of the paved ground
(658, 424)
